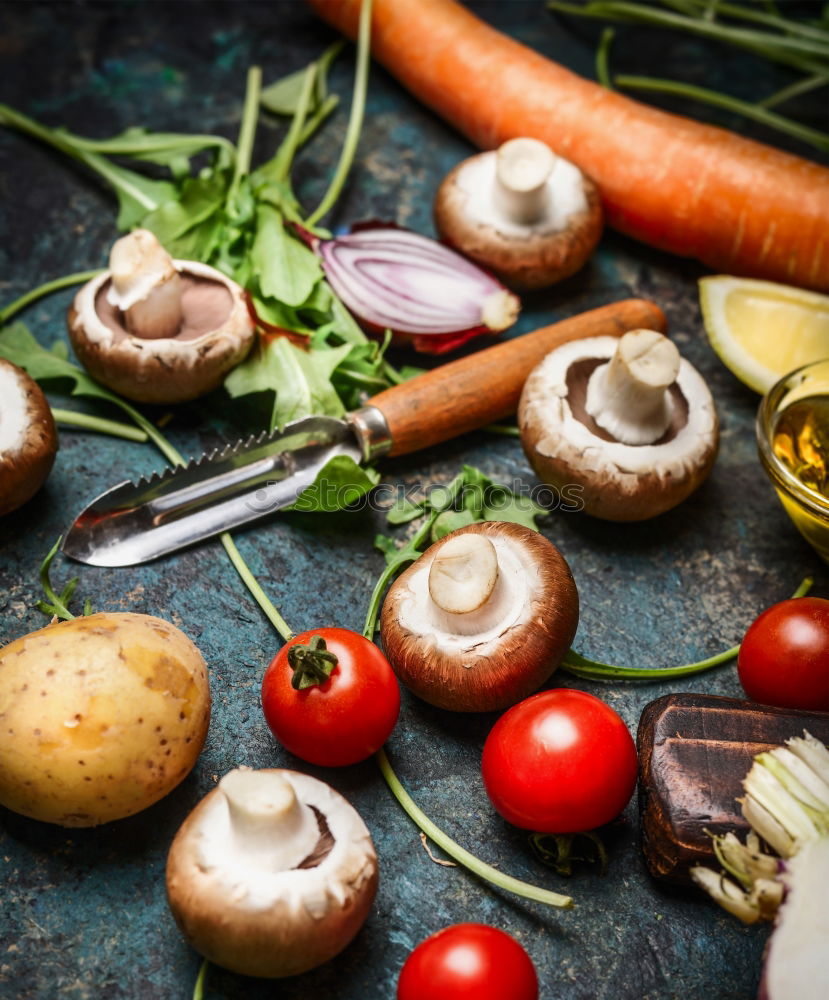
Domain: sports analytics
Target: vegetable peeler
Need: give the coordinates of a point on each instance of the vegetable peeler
(133, 523)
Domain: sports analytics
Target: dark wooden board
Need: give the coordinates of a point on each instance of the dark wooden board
(694, 752)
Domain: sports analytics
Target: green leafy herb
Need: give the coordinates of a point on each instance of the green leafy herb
(339, 484)
(57, 605)
(52, 370)
(300, 381)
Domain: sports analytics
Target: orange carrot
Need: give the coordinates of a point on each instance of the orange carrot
(693, 189)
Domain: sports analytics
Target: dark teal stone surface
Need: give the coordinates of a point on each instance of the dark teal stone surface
(82, 912)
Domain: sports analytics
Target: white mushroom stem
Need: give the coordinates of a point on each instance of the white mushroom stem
(629, 396)
(463, 574)
(523, 167)
(273, 831)
(487, 580)
(146, 286)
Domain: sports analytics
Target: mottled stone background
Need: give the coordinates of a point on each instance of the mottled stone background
(83, 912)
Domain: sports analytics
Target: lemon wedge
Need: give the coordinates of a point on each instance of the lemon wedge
(762, 330)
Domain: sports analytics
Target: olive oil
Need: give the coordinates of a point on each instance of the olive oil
(801, 442)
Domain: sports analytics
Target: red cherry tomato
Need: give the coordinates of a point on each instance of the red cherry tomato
(343, 720)
(468, 962)
(784, 657)
(560, 762)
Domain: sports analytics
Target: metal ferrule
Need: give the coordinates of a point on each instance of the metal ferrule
(372, 432)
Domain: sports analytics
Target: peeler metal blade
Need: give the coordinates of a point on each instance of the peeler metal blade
(134, 523)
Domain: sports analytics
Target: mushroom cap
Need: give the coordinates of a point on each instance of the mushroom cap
(615, 481)
(217, 334)
(492, 669)
(28, 439)
(272, 924)
(524, 257)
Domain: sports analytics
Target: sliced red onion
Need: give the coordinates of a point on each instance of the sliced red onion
(395, 279)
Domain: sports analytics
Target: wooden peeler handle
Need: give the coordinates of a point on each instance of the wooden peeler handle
(476, 390)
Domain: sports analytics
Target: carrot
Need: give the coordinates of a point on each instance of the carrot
(695, 190)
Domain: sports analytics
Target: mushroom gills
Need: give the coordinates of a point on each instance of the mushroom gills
(629, 396)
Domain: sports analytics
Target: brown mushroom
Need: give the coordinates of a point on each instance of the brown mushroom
(28, 439)
(158, 330)
(482, 619)
(625, 426)
(530, 217)
(272, 874)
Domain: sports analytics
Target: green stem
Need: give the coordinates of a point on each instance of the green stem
(407, 555)
(152, 432)
(462, 856)
(754, 111)
(794, 90)
(801, 53)
(56, 603)
(580, 666)
(73, 418)
(355, 119)
(603, 58)
(43, 290)
(253, 585)
(507, 430)
(247, 132)
(198, 989)
(292, 140)
(318, 117)
(711, 8)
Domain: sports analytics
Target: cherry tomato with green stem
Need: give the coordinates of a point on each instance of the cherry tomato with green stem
(784, 657)
(561, 761)
(468, 962)
(330, 697)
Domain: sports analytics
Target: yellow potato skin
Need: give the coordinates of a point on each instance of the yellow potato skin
(100, 717)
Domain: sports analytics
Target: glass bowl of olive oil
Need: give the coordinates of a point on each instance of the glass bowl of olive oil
(793, 440)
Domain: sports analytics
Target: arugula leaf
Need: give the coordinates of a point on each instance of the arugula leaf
(187, 226)
(19, 346)
(283, 96)
(285, 268)
(300, 380)
(163, 148)
(340, 483)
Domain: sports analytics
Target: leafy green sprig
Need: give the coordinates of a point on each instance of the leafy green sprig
(800, 45)
(57, 605)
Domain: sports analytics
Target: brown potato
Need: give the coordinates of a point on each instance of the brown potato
(100, 717)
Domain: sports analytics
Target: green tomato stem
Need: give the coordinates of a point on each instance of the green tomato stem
(592, 670)
(460, 854)
(43, 290)
(86, 421)
(355, 119)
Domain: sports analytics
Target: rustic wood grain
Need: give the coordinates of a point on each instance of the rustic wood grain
(483, 387)
(694, 752)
